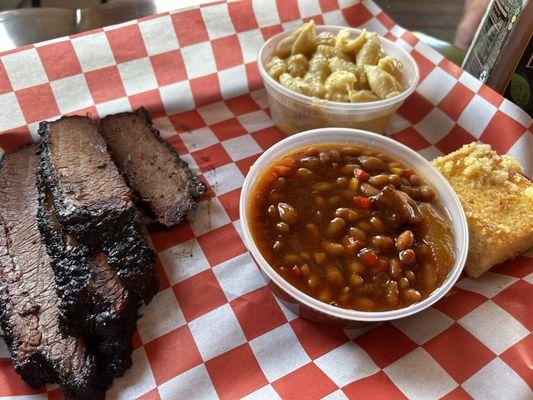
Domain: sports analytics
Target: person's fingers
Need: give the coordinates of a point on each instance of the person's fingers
(474, 11)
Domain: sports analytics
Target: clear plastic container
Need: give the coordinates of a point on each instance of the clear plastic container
(294, 112)
(313, 309)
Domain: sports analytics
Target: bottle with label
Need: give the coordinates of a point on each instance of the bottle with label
(501, 54)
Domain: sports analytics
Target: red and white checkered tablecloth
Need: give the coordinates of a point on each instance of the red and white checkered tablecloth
(215, 330)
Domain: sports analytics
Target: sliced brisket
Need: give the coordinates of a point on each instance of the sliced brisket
(88, 191)
(92, 201)
(29, 305)
(93, 299)
(151, 166)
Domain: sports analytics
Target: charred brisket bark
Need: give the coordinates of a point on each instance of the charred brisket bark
(29, 304)
(92, 201)
(93, 300)
(88, 192)
(153, 168)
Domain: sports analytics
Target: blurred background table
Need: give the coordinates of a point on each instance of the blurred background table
(434, 21)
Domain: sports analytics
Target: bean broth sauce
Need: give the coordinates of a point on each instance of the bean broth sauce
(352, 227)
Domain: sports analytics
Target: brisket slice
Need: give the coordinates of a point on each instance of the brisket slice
(93, 300)
(92, 201)
(153, 168)
(29, 305)
(88, 191)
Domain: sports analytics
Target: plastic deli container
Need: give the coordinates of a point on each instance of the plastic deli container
(294, 112)
(313, 309)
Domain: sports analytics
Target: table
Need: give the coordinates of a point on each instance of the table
(214, 329)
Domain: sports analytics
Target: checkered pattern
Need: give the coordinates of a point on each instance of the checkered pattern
(215, 330)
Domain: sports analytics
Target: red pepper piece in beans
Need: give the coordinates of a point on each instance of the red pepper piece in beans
(361, 175)
(363, 202)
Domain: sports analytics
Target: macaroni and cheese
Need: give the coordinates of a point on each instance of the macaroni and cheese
(336, 67)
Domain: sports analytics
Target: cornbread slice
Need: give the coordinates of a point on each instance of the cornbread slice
(498, 203)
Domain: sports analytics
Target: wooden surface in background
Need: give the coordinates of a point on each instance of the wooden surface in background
(438, 18)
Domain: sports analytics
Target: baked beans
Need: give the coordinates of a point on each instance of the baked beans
(352, 227)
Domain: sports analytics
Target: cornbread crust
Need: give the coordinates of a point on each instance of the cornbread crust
(497, 200)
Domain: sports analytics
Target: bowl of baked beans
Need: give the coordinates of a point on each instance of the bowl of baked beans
(348, 226)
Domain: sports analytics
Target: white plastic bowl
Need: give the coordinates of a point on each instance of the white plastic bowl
(314, 309)
(294, 112)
